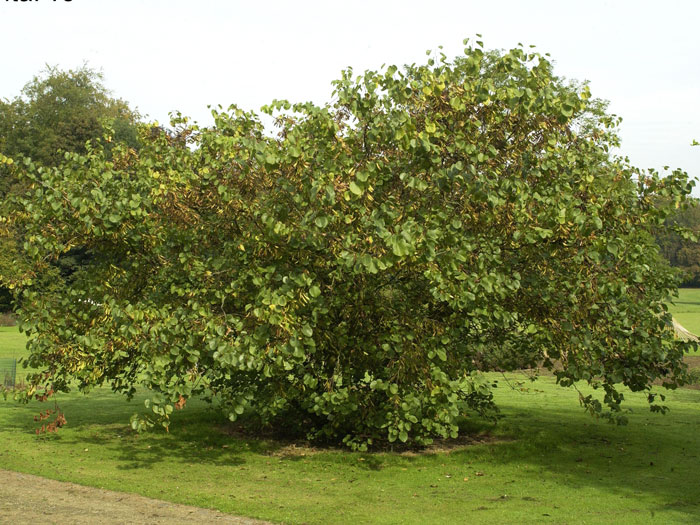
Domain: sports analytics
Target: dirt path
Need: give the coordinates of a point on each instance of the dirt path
(28, 499)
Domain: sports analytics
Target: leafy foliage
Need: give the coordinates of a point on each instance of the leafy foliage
(354, 275)
(57, 111)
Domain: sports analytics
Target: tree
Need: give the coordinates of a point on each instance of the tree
(678, 240)
(678, 247)
(355, 275)
(57, 112)
(61, 111)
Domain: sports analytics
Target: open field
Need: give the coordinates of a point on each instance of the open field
(12, 346)
(11, 342)
(544, 461)
(687, 309)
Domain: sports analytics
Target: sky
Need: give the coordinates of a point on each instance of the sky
(165, 55)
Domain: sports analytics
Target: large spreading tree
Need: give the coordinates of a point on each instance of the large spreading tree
(355, 274)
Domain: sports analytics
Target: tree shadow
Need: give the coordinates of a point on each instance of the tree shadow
(655, 455)
(197, 434)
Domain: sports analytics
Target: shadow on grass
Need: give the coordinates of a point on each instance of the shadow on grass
(655, 456)
(693, 303)
(101, 419)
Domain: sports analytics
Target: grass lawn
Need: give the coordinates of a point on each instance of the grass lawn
(11, 342)
(686, 309)
(546, 461)
(12, 346)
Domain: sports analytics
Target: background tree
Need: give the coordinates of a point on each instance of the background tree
(355, 275)
(61, 111)
(680, 249)
(678, 241)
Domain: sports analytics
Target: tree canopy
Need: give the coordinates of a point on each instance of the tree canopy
(355, 275)
(61, 111)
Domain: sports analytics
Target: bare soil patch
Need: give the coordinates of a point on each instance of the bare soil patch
(30, 499)
(283, 446)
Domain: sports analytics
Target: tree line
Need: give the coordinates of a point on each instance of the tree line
(681, 250)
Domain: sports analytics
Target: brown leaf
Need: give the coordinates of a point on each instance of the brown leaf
(180, 403)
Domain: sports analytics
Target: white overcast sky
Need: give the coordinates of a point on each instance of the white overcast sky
(164, 55)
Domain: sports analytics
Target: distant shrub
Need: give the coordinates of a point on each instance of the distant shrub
(7, 319)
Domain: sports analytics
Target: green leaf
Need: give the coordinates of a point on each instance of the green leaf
(567, 110)
(613, 248)
(354, 188)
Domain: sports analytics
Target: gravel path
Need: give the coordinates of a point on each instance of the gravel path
(30, 499)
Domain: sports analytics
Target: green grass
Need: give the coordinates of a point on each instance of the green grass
(687, 309)
(12, 346)
(11, 342)
(546, 461)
